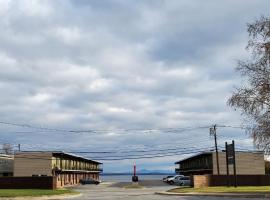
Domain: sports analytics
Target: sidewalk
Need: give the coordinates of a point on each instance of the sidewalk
(242, 195)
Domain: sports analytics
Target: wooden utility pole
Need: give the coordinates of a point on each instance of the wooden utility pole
(213, 132)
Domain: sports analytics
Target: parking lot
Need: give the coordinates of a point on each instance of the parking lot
(105, 191)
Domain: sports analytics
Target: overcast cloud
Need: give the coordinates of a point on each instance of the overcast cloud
(121, 65)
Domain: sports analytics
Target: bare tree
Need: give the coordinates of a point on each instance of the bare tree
(252, 98)
(7, 149)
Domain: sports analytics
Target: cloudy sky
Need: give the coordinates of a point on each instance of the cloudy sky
(118, 68)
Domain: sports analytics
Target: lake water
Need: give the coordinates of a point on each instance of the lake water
(127, 178)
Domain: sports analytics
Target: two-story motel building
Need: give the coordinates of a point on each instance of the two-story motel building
(247, 163)
(67, 168)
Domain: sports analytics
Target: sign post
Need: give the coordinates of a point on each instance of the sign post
(230, 160)
(227, 165)
(134, 177)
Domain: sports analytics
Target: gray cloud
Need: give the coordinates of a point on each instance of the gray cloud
(120, 65)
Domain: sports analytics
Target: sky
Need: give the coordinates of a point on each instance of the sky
(138, 75)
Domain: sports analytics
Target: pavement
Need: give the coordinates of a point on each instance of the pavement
(113, 191)
(145, 183)
(152, 190)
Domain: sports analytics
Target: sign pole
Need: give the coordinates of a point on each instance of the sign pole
(227, 165)
(234, 166)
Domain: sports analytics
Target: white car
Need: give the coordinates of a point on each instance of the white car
(165, 179)
(182, 181)
(171, 180)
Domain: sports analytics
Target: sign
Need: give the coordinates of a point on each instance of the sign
(230, 150)
(230, 160)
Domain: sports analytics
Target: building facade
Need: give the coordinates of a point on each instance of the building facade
(6, 165)
(247, 163)
(67, 168)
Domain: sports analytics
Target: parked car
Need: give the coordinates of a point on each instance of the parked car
(165, 179)
(171, 180)
(182, 181)
(89, 181)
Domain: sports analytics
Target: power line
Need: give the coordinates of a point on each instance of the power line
(151, 152)
(130, 156)
(121, 151)
(126, 158)
(185, 145)
(129, 129)
(129, 151)
(101, 130)
(230, 126)
(120, 158)
(148, 157)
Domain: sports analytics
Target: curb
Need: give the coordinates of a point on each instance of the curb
(240, 195)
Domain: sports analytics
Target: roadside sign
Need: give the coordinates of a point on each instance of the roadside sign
(230, 150)
(230, 160)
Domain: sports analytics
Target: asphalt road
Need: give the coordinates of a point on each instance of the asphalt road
(107, 192)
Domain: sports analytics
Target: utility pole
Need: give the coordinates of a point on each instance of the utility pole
(213, 132)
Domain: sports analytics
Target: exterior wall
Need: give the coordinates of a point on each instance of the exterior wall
(33, 163)
(6, 165)
(65, 179)
(246, 163)
(28, 182)
(200, 181)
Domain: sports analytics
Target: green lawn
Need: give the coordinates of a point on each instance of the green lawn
(33, 192)
(240, 189)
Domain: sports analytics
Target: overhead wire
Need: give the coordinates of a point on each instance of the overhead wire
(33, 157)
(158, 152)
(154, 153)
(102, 130)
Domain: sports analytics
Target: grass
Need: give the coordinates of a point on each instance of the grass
(240, 189)
(33, 192)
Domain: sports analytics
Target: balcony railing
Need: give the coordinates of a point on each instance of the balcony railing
(195, 167)
(77, 168)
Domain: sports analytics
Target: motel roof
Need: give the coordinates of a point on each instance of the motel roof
(63, 154)
(194, 156)
(209, 153)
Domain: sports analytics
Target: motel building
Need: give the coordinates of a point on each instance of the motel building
(247, 163)
(64, 168)
(202, 168)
